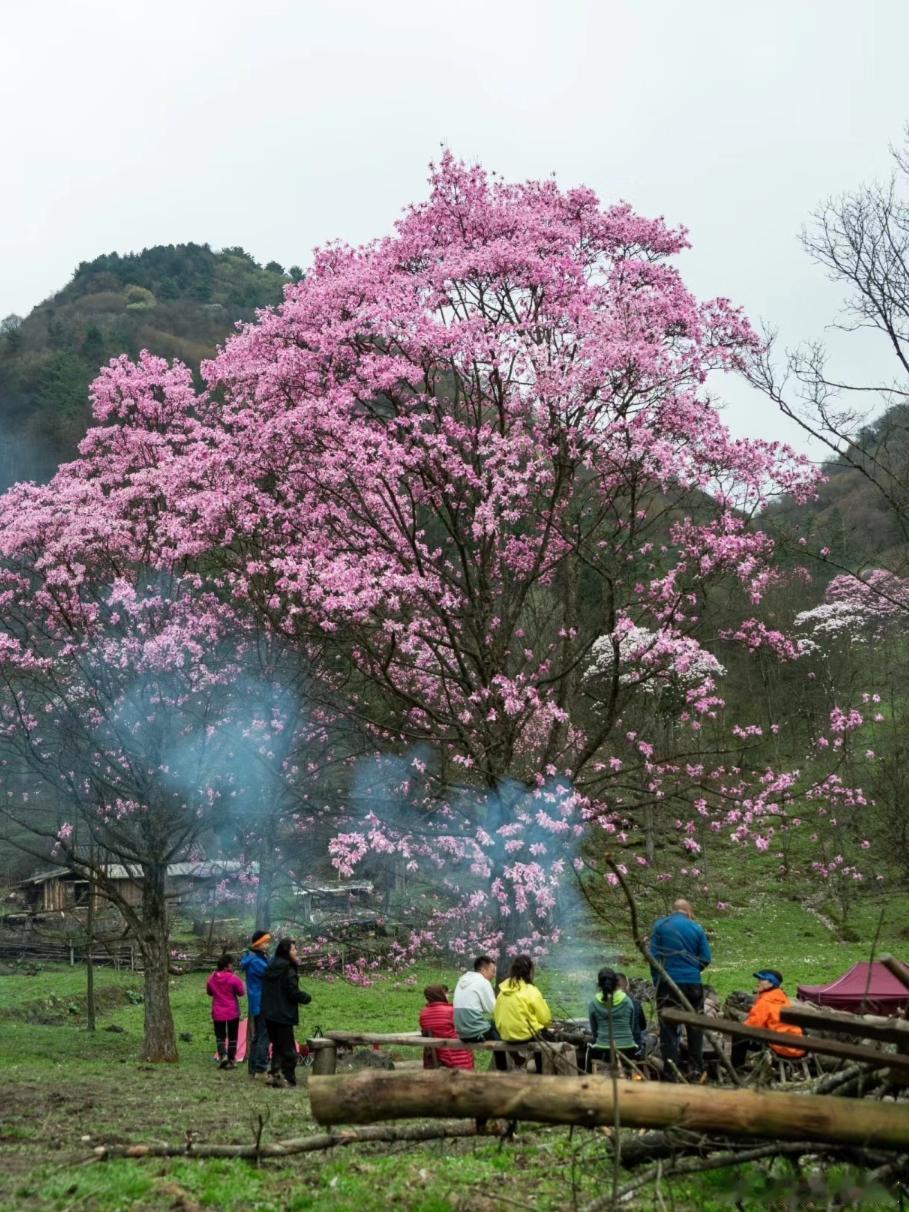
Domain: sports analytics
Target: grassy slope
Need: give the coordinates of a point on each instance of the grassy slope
(59, 1085)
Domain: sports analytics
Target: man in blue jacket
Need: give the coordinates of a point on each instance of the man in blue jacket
(680, 950)
(254, 963)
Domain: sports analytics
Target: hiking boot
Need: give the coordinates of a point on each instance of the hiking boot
(223, 1063)
(231, 1065)
(276, 1080)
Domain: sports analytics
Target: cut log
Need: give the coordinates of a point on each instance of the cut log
(863, 1026)
(810, 1043)
(367, 1097)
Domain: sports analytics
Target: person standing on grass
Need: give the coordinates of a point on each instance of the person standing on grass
(225, 989)
(612, 1020)
(679, 945)
(437, 1021)
(474, 1004)
(282, 998)
(254, 963)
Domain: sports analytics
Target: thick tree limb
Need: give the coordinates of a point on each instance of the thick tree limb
(302, 1144)
(369, 1097)
(864, 1026)
(810, 1043)
(897, 968)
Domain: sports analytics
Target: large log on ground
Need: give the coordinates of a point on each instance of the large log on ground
(368, 1097)
(810, 1043)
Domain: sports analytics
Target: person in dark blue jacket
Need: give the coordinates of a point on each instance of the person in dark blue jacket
(254, 963)
(680, 950)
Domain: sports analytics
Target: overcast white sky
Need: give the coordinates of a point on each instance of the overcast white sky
(281, 125)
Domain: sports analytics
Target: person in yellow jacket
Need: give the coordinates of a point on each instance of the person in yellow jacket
(521, 1014)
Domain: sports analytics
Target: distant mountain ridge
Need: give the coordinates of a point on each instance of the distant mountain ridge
(177, 300)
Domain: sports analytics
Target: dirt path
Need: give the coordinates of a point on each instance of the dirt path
(828, 923)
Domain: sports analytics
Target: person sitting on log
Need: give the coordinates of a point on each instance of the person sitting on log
(765, 1013)
(474, 1003)
(521, 1013)
(437, 1019)
(611, 1022)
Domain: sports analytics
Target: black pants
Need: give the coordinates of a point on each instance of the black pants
(283, 1050)
(537, 1056)
(602, 1054)
(500, 1058)
(226, 1037)
(740, 1050)
(256, 1043)
(669, 1032)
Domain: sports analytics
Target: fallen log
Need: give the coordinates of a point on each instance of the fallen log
(368, 1097)
(897, 968)
(302, 1144)
(809, 1043)
(864, 1026)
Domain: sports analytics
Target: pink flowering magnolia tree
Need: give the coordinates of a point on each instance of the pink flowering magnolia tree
(473, 457)
(471, 472)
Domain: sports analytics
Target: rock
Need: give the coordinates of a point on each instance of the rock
(115, 1028)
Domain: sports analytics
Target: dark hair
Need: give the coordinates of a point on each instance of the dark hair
(282, 951)
(482, 961)
(521, 969)
(224, 962)
(608, 981)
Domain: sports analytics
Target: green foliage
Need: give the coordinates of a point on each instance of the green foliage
(179, 301)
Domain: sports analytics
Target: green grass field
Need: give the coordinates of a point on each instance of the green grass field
(63, 1091)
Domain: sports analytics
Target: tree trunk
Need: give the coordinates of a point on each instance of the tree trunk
(266, 886)
(368, 1097)
(90, 960)
(264, 893)
(160, 1043)
(650, 832)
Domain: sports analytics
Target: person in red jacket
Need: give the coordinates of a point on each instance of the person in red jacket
(437, 1020)
(225, 989)
(765, 1013)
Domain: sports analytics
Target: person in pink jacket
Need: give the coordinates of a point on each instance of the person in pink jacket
(225, 988)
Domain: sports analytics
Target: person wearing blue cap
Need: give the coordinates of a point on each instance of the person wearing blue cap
(765, 1013)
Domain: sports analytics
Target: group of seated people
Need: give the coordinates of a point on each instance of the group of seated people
(520, 1015)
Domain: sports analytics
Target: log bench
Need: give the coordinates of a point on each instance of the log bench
(325, 1048)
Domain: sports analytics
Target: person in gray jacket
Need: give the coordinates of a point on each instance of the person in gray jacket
(474, 1001)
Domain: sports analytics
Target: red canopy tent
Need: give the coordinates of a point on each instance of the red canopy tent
(864, 989)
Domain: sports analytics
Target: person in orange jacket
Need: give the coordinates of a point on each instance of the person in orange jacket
(765, 1013)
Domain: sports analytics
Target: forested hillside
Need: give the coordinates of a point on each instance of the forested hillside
(860, 511)
(179, 301)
